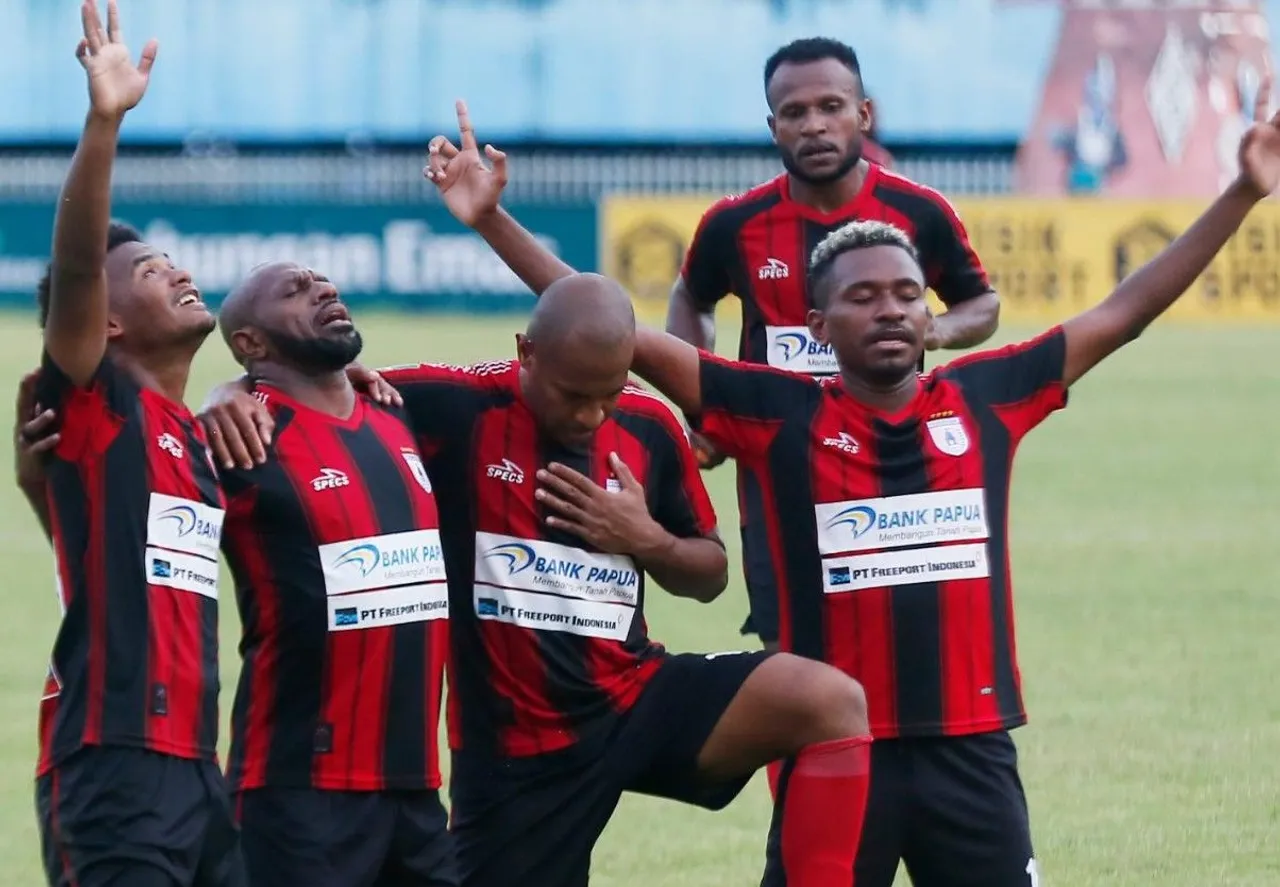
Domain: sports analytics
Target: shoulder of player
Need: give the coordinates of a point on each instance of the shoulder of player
(638, 403)
(483, 374)
(924, 204)
(730, 211)
(989, 356)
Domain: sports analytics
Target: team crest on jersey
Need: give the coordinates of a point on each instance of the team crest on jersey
(948, 434)
(414, 461)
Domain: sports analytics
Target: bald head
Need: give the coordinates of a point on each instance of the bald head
(583, 311)
(291, 316)
(239, 308)
(576, 356)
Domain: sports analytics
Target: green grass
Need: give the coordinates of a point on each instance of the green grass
(1148, 603)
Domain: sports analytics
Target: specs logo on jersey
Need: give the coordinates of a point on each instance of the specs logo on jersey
(505, 470)
(517, 555)
(363, 557)
(948, 435)
(859, 519)
(330, 479)
(844, 442)
(773, 269)
(184, 516)
(796, 345)
(170, 445)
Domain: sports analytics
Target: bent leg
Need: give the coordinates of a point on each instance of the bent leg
(797, 708)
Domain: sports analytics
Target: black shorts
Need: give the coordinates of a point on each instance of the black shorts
(117, 816)
(533, 822)
(757, 562)
(951, 808)
(314, 838)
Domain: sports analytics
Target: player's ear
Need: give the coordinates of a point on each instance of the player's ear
(773, 128)
(248, 346)
(866, 115)
(817, 323)
(524, 349)
(114, 328)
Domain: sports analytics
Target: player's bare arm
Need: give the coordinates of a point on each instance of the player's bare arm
(969, 323)
(75, 334)
(1151, 290)
(472, 192)
(687, 321)
(619, 522)
(34, 436)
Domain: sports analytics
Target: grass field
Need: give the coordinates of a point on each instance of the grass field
(1149, 604)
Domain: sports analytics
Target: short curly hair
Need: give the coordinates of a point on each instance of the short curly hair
(859, 234)
(118, 233)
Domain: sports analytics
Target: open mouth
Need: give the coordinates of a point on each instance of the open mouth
(190, 297)
(334, 314)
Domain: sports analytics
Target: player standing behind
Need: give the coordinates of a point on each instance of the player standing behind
(901, 577)
(333, 544)
(128, 788)
(756, 246)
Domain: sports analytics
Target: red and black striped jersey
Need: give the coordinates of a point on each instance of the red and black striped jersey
(549, 641)
(334, 546)
(891, 530)
(757, 246)
(136, 514)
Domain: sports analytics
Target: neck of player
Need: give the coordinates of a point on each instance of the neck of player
(330, 392)
(830, 196)
(166, 373)
(886, 398)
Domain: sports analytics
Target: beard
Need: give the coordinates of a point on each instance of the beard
(792, 165)
(317, 356)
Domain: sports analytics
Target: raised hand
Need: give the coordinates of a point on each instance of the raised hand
(1259, 153)
(470, 189)
(116, 84)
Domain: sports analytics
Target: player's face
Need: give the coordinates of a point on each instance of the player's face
(875, 316)
(153, 304)
(572, 391)
(818, 120)
(304, 321)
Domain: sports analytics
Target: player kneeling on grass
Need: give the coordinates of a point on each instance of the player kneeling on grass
(889, 495)
(560, 486)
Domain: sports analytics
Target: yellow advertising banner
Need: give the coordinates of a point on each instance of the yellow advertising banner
(643, 241)
(1048, 258)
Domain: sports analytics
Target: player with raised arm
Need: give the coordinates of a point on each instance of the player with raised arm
(756, 246)
(888, 495)
(128, 788)
(331, 535)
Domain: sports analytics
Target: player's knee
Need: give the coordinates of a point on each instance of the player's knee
(832, 704)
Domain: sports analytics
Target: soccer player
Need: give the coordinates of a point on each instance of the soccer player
(888, 496)
(128, 789)
(331, 534)
(561, 486)
(755, 245)
(334, 546)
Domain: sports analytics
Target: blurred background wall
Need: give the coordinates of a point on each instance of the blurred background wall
(1075, 136)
